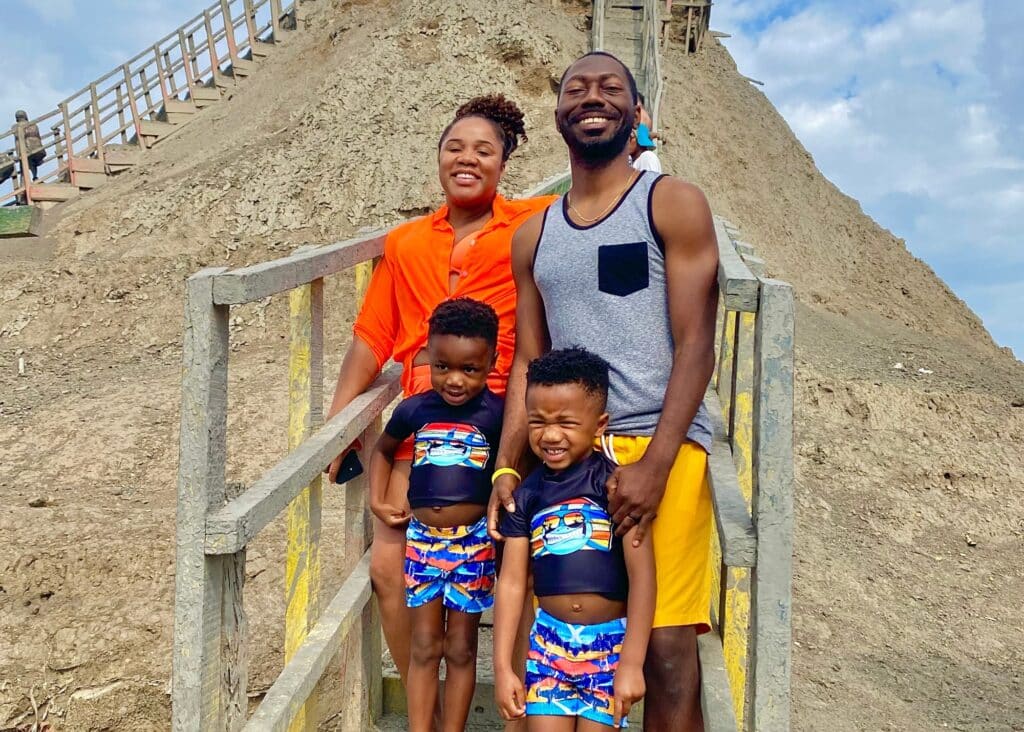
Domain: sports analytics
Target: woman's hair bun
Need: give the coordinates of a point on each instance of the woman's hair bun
(502, 112)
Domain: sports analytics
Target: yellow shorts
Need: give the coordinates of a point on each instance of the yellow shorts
(681, 535)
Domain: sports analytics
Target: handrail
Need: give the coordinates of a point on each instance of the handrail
(138, 91)
(751, 407)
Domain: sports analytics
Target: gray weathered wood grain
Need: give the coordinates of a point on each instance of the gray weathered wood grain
(771, 591)
(715, 699)
(301, 674)
(756, 264)
(258, 281)
(735, 528)
(199, 700)
(737, 285)
(232, 527)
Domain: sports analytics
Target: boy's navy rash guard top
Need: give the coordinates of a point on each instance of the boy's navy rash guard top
(454, 447)
(572, 540)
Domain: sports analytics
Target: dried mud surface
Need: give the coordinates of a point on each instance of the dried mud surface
(910, 523)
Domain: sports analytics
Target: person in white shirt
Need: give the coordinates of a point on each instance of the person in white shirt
(641, 150)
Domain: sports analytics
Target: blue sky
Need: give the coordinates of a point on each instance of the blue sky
(914, 107)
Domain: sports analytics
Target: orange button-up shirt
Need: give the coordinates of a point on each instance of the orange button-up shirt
(413, 278)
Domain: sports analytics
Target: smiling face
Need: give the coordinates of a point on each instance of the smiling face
(459, 366)
(470, 162)
(563, 421)
(596, 110)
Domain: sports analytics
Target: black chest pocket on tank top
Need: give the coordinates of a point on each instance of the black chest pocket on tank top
(622, 269)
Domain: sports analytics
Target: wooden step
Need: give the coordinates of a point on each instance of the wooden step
(122, 157)
(204, 96)
(88, 180)
(87, 165)
(52, 192)
(242, 68)
(176, 112)
(223, 80)
(262, 50)
(155, 128)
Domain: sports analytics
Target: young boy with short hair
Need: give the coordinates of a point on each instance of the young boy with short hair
(596, 591)
(449, 559)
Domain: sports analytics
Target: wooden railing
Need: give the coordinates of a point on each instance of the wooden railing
(650, 59)
(210, 640)
(746, 661)
(89, 131)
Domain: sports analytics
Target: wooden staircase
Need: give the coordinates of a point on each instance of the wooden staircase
(106, 128)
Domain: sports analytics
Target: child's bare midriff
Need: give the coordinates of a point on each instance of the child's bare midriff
(583, 608)
(445, 517)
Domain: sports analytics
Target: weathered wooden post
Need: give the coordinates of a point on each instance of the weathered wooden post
(275, 19)
(209, 668)
(161, 77)
(229, 31)
(132, 105)
(771, 593)
(250, 25)
(305, 413)
(97, 125)
(188, 61)
(26, 172)
(735, 621)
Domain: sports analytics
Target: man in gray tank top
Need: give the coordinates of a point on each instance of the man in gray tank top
(625, 265)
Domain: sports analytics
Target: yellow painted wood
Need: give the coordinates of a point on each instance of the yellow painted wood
(725, 363)
(736, 630)
(302, 568)
(364, 270)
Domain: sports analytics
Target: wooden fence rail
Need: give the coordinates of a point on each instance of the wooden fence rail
(751, 477)
(97, 130)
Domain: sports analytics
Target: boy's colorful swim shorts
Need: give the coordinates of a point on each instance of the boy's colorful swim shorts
(455, 563)
(570, 669)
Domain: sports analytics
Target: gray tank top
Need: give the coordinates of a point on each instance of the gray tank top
(604, 289)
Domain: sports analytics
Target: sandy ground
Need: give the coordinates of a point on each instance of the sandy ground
(910, 521)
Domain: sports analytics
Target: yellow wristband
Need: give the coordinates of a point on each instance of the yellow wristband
(506, 471)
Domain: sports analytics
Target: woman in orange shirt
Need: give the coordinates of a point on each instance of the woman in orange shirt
(461, 250)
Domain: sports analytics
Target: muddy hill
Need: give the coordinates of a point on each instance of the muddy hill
(910, 430)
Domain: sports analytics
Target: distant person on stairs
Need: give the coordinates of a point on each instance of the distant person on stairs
(625, 265)
(463, 249)
(33, 143)
(641, 150)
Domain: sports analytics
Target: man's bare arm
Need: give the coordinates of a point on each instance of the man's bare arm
(531, 341)
(682, 217)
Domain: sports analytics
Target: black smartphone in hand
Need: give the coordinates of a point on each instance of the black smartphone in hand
(350, 468)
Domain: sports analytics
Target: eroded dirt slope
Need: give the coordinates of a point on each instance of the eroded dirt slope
(910, 521)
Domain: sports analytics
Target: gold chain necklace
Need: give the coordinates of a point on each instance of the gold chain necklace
(584, 219)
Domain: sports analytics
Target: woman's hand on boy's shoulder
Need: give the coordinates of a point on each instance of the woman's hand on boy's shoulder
(629, 688)
(509, 695)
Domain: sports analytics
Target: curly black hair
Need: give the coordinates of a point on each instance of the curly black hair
(503, 113)
(571, 366)
(467, 318)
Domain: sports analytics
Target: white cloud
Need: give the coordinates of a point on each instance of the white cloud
(913, 107)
